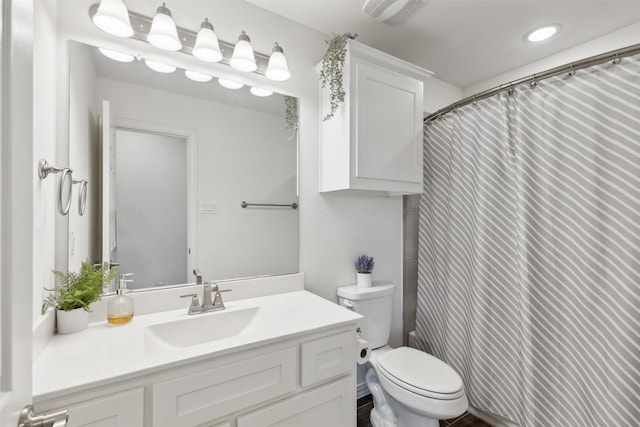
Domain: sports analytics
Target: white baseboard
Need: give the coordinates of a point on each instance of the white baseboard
(493, 419)
(362, 390)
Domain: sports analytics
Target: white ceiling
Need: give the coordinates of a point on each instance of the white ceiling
(466, 41)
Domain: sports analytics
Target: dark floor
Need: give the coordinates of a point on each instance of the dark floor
(466, 420)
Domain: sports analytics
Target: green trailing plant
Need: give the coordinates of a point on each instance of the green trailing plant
(78, 290)
(331, 72)
(291, 115)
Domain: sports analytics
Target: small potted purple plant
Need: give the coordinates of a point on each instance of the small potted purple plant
(364, 266)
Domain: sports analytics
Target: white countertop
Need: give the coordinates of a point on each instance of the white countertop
(103, 354)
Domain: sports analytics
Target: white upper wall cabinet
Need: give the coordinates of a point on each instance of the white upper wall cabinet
(374, 140)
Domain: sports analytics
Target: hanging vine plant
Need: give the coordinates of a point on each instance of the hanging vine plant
(331, 72)
(291, 115)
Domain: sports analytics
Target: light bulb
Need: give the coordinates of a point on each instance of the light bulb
(160, 67)
(112, 17)
(260, 92)
(116, 56)
(163, 33)
(277, 69)
(207, 47)
(243, 59)
(197, 77)
(230, 84)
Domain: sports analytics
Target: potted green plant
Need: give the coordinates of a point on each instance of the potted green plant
(364, 266)
(74, 293)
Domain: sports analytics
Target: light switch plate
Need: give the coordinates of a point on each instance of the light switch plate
(209, 208)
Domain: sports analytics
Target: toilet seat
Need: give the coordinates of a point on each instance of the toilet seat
(420, 373)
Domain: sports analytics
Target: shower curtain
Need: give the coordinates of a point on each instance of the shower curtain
(529, 249)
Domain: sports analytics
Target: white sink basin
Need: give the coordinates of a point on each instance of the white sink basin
(203, 328)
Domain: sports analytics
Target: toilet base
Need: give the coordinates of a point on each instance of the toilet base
(387, 412)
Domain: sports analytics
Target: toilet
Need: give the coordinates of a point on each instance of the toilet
(410, 388)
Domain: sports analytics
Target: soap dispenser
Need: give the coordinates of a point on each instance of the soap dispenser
(120, 307)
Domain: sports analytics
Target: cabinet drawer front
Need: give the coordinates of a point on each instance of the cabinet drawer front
(329, 405)
(124, 409)
(217, 392)
(327, 358)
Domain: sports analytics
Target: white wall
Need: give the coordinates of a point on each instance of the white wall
(83, 152)
(44, 146)
(618, 39)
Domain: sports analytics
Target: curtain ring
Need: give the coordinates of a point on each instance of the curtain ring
(571, 71)
(82, 195)
(64, 186)
(534, 83)
(616, 60)
(475, 102)
(510, 90)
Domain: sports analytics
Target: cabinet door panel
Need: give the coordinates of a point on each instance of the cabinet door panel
(327, 358)
(119, 410)
(218, 392)
(329, 405)
(389, 125)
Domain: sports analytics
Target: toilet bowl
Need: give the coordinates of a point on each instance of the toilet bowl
(419, 388)
(410, 388)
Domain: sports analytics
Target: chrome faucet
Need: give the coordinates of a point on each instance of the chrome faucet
(207, 303)
(198, 274)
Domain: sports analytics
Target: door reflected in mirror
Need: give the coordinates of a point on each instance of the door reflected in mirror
(169, 169)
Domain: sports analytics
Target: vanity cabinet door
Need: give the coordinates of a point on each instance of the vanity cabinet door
(213, 394)
(328, 405)
(124, 409)
(327, 358)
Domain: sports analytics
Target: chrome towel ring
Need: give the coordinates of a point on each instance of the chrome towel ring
(82, 195)
(64, 183)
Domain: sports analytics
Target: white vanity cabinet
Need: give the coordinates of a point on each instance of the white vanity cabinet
(374, 140)
(308, 380)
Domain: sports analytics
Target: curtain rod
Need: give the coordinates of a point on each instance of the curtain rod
(614, 55)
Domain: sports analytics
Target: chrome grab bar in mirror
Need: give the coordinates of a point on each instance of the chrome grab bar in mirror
(278, 205)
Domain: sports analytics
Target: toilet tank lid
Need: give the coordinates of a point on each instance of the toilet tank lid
(355, 292)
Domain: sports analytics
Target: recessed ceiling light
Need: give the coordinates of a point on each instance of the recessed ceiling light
(543, 33)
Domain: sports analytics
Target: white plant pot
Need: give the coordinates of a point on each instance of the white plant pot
(363, 280)
(72, 321)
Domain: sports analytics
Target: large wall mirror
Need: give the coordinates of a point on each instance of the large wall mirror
(169, 162)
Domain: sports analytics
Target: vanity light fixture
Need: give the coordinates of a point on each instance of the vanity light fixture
(116, 56)
(230, 84)
(277, 70)
(257, 91)
(160, 67)
(207, 47)
(163, 33)
(243, 58)
(542, 33)
(197, 77)
(113, 17)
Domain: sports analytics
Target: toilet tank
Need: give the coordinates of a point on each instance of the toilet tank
(375, 304)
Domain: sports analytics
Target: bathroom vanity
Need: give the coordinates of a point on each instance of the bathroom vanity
(282, 359)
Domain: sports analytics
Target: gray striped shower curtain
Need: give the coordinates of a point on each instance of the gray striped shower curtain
(529, 249)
